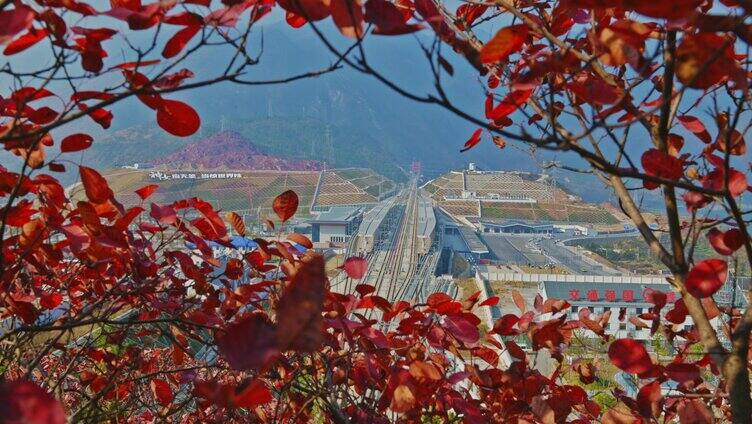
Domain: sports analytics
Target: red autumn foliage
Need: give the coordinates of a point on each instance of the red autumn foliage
(113, 313)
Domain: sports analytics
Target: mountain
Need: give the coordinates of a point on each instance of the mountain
(231, 151)
(342, 118)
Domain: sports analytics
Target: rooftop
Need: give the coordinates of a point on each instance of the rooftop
(337, 215)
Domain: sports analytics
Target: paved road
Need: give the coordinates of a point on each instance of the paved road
(575, 262)
(504, 250)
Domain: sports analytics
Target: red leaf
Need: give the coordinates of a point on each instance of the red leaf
(14, 21)
(95, 186)
(683, 372)
(237, 223)
(355, 267)
(506, 41)
(50, 300)
(23, 401)
(173, 80)
(102, 117)
(630, 356)
(491, 301)
(178, 41)
(706, 277)
(649, 400)
(660, 164)
(694, 411)
(473, 140)
(299, 325)
(76, 142)
(696, 127)
(737, 181)
(305, 10)
(725, 243)
(165, 215)
(162, 391)
(56, 167)
(678, 314)
(285, 205)
(177, 118)
(586, 370)
(348, 16)
(707, 59)
(389, 20)
(257, 393)
(249, 344)
(295, 21)
(462, 329)
(509, 104)
(25, 41)
(146, 191)
(519, 301)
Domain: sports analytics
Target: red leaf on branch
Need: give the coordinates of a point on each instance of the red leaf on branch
(257, 393)
(146, 191)
(162, 391)
(519, 301)
(14, 21)
(696, 127)
(177, 43)
(301, 240)
(715, 180)
(95, 186)
(630, 355)
(491, 301)
(694, 411)
(306, 10)
(473, 140)
(506, 41)
(237, 223)
(660, 164)
(586, 371)
(348, 16)
(699, 64)
(75, 143)
(25, 41)
(285, 205)
(683, 373)
(462, 329)
(389, 20)
(50, 300)
(355, 267)
(725, 243)
(509, 104)
(23, 401)
(177, 118)
(249, 344)
(649, 400)
(101, 116)
(706, 277)
(299, 325)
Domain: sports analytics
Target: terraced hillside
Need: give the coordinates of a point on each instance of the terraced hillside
(499, 195)
(251, 191)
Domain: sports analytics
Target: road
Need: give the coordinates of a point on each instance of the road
(572, 260)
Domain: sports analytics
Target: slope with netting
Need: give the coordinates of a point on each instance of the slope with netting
(351, 187)
(251, 192)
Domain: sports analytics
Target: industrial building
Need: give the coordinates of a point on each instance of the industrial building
(336, 225)
(514, 227)
(601, 294)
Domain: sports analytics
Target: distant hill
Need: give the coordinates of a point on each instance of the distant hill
(231, 151)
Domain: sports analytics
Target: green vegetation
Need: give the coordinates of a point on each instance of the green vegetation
(633, 254)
